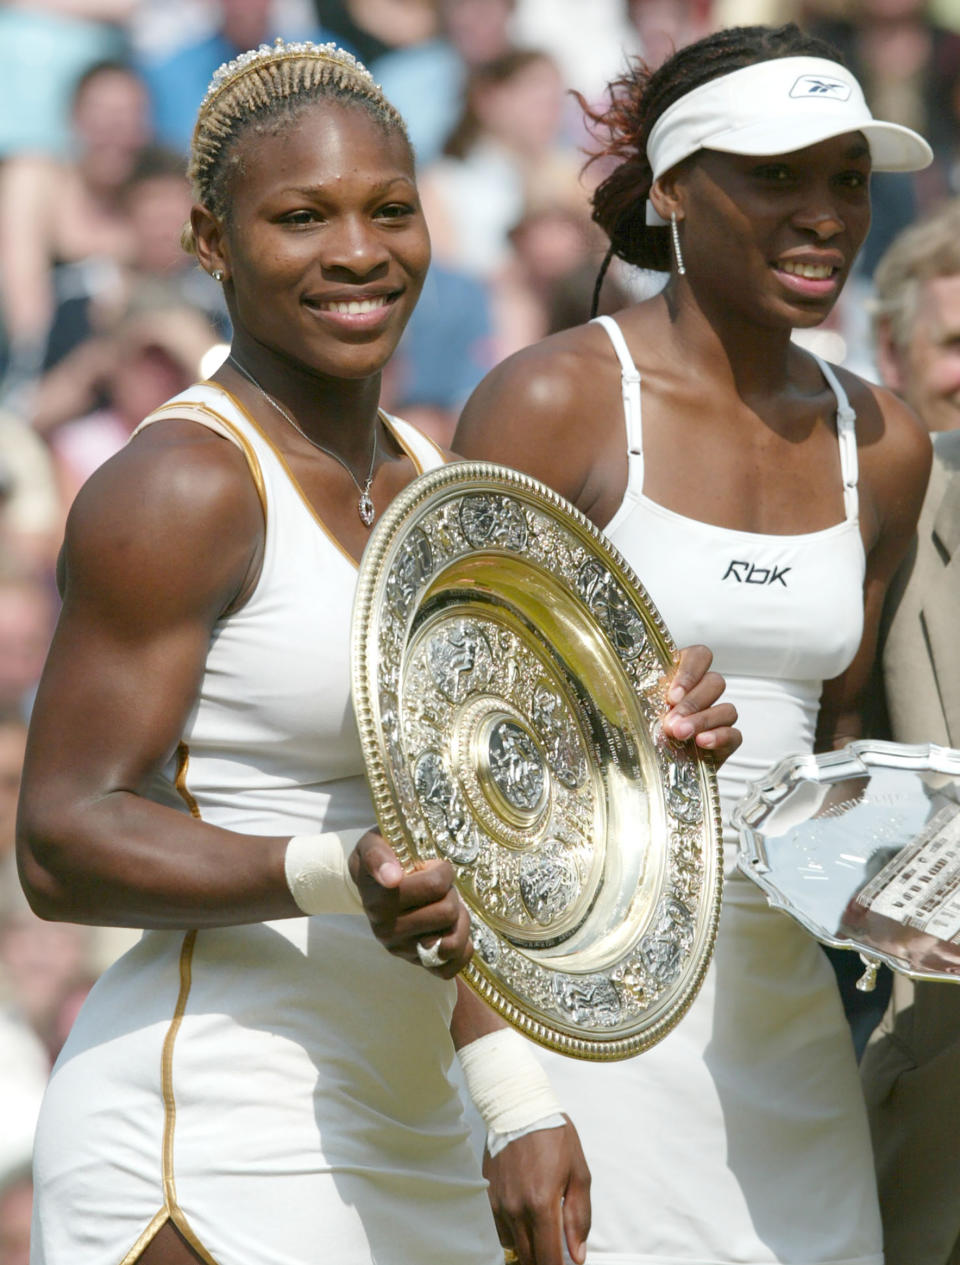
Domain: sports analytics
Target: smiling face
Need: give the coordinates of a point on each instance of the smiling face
(775, 237)
(325, 247)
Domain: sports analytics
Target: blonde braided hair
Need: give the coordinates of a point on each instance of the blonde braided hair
(258, 88)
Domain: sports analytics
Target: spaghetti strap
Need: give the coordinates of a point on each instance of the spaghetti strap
(847, 440)
(630, 384)
(632, 416)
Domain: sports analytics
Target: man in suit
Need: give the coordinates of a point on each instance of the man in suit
(911, 1068)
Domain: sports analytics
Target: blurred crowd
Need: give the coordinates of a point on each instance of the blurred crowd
(102, 316)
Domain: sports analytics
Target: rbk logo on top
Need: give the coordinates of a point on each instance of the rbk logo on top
(821, 86)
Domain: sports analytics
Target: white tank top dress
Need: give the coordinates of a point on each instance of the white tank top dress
(742, 1136)
(280, 1091)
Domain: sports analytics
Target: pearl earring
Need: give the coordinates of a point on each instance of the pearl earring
(675, 238)
(217, 274)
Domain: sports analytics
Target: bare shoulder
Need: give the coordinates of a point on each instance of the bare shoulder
(895, 450)
(172, 518)
(886, 426)
(535, 411)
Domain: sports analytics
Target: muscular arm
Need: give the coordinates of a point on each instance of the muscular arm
(894, 471)
(158, 544)
(161, 542)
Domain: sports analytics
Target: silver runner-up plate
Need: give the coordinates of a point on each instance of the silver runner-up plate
(508, 679)
(862, 847)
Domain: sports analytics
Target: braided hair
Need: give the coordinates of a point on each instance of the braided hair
(638, 99)
(259, 92)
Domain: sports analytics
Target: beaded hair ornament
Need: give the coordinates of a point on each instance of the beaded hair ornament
(256, 81)
(227, 74)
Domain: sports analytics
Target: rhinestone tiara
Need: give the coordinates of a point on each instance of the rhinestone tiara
(277, 51)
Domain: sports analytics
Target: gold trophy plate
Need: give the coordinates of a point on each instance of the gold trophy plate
(508, 682)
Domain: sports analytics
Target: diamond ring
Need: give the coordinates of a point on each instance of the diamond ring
(430, 958)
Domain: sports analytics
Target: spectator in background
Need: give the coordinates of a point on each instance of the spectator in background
(910, 70)
(447, 347)
(26, 625)
(557, 251)
(663, 26)
(63, 223)
(43, 967)
(24, 1068)
(177, 79)
(426, 81)
(44, 48)
(30, 518)
(25, 972)
(91, 404)
(478, 29)
(911, 1069)
(589, 51)
(371, 28)
(917, 321)
(159, 274)
(507, 147)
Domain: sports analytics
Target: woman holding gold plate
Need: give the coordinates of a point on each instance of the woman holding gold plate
(764, 498)
(257, 1081)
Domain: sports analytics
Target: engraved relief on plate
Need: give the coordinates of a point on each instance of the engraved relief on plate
(683, 785)
(589, 999)
(489, 520)
(460, 659)
(605, 597)
(454, 832)
(549, 883)
(665, 947)
(516, 766)
(412, 565)
(552, 721)
(468, 689)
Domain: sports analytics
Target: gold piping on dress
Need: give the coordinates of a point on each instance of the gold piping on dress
(171, 1209)
(384, 417)
(180, 780)
(197, 411)
(146, 1238)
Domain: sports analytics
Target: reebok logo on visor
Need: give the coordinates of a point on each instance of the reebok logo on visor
(821, 86)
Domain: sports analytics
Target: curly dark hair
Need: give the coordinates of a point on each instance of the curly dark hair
(638, 99)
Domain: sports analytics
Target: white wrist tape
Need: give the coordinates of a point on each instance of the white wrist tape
(317, 873)
(508, 1086)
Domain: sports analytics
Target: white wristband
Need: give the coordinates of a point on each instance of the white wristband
(508, 1086)
(317, 873)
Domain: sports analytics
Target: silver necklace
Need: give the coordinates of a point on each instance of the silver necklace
(365, 506)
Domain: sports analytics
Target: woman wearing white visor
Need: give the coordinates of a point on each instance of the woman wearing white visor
(764, 498)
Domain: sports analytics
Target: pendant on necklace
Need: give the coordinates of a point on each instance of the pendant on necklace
(366, 509)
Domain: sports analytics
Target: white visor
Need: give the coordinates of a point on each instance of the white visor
(776, 107)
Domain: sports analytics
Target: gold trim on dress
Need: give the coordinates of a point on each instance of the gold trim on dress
(180, 780)
(184, 408)
(288, 472)
(387, 422)
(183, 1225)
(146, 1238)
(414, 457)
(166, 1071)
(171, 1209)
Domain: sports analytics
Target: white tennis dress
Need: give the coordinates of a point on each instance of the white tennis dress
(278, 1090)
(742, 1136)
